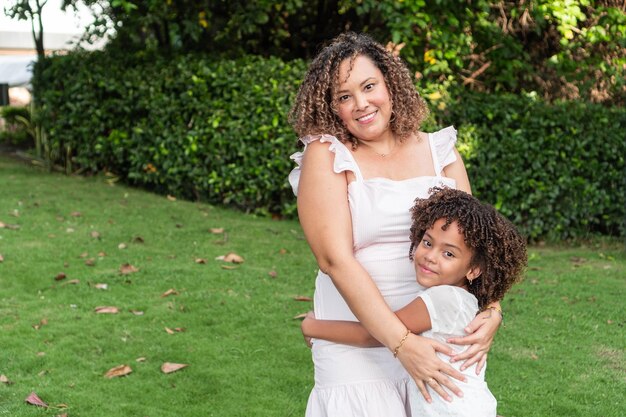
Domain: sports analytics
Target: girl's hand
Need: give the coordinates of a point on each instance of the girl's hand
(310, 317)
(418, 357)
(481, 332)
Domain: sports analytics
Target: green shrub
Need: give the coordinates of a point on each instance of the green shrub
(17, 128)
(555, 170)
(216, 131)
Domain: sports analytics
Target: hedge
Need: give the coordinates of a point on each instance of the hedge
(215, 130)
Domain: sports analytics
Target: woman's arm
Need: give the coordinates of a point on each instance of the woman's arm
(325, 218)
(414, 316)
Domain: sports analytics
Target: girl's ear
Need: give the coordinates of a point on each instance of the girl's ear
(473, 273)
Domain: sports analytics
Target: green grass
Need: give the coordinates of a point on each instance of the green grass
(561, 352)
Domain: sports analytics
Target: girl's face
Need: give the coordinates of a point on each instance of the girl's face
(443, 258)
(362, 100)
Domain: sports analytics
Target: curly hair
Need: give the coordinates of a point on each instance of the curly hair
(312, 112)
(498, 248)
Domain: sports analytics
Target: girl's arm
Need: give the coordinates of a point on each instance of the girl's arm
(484, 327)
(325, 218)
(414, 316)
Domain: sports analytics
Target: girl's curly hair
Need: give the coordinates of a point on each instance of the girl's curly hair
(498, 248)
(312, 112)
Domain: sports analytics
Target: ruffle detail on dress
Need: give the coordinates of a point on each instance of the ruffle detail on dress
(343, 158)
(444, 142)
(368, 399)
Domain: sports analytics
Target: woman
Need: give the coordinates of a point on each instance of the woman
(358, 114)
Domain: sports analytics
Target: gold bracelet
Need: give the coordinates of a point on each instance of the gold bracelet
(397, 349)
(498, 309)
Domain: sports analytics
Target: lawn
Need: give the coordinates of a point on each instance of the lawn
(69, 245)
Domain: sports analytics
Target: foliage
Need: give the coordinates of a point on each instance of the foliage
(562, 49)
(245, 353)
(187, 126)
(18, 129)
(555, 170)
(217, 132)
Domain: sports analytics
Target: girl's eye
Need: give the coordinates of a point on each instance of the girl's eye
(448, 254)
(426, 243)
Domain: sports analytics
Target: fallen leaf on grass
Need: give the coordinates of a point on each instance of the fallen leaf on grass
(5, 380)
(228, 267)
(282, 251)
(200, 261)
(101, 286)
(230, 257)
(106, 310)
(95, 235)
(138, 239)
(175, 330)
(1, 258)
(128, 269)
(140, 359)
(72, 282)
(60, 276)
(216, 230)
(168, 367)
(42, 323)
(121, 370)
(171, 198)
(90, 262)
(272, 273)
(76, 214)
(83, 255)
(300, 316)
(9, 226)
(137, 312)
(121, 246)
(34, 399)
(302, 298)
(171, 291)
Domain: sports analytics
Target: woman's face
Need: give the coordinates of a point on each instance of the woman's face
(362, 99)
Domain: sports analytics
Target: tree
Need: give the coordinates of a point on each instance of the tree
(30, 10)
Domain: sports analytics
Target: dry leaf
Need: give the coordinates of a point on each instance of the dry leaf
(42, 323)
(122, 246)
(175, 330)
(102, 254)
(230, 257)
(95, 235)
(216, 230)
(84, 255)
(2, 225)
(11, 226)
(141, 359)
(200, 260)
(171, 198)
(282, 251)
(168, 367)
(5, 380)
(1, 258)
(300, 316)
(272, 273)
(101, 286)
(229, 267)
(76, 214)
(64, 414)
(90, 262)
(137, 312)
(169, 331)
(34, 399)
(171, 291)
(138, 239)
(128, 269)
(106, 310)
(121, 370)
(72, 282)
(302, 298)
(60, 276)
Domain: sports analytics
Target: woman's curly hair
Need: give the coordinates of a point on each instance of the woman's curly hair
(498, 249)
(312, 112)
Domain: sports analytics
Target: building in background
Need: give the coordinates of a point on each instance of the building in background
(62, 31)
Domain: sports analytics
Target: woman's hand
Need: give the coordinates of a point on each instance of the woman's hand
(417, 355)
(481, 332)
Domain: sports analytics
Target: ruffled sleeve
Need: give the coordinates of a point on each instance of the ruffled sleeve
(344, 161)
(443, 143)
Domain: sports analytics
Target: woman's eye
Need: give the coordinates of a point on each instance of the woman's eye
(369, 86)
(344, 97)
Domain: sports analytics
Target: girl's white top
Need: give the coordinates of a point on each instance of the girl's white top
(363, 382)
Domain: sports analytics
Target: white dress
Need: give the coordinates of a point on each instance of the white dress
(370, 382)
(450, 310)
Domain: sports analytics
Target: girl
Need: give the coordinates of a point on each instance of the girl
(466, 256)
